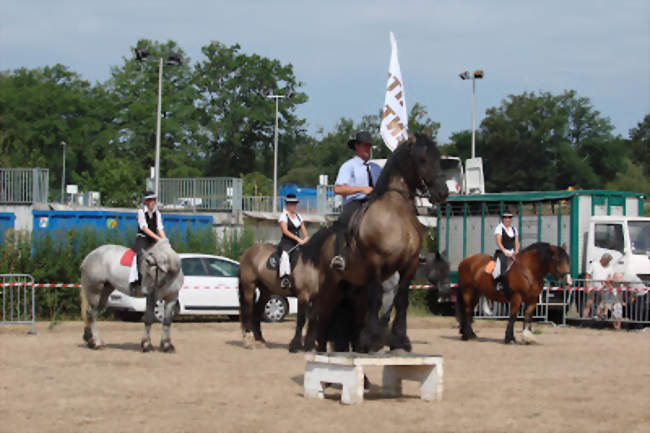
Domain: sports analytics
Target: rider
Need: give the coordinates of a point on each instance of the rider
(150, 231)
(291, 224)
(507, 240)
(355, 181)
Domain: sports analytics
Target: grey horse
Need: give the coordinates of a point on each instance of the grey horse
(162, 278)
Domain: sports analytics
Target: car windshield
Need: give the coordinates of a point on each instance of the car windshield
(640, 236)
(221, 268)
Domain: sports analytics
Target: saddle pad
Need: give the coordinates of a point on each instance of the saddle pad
(127, 258)
(489, 268)
(273, 261)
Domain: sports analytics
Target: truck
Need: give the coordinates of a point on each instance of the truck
(589, 222)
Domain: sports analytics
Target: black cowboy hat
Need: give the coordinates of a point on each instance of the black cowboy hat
(149, 195)
(291, 198)
(361, 137)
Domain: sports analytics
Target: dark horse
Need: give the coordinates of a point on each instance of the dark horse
(525, 281)
(387, 240)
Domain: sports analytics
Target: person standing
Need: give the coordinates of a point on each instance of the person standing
(599, 277)
(507, 240)
(355, 181)
(150, 231)
(292, 225)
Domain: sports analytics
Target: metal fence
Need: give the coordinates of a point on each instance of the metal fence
(207, 193)
(487, 309)
(264, 203)
(18, 300)
(617, 303)
(327, 201)
(24, 185)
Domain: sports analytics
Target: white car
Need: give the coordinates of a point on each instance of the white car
(211, 286)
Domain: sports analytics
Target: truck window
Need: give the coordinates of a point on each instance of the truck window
(640, 236)
(609, 236)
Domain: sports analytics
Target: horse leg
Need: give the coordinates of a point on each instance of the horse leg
(312, 326)
(258, 311)
(90, 312)
(296, 342)
(527, 334)
(246, 299)
(398, 338)
(149, 317)
(515, 303)
(372, 335)
(171, 307)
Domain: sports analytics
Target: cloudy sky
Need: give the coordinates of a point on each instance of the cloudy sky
(340, 49)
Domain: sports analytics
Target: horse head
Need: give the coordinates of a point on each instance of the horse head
(437, 269)
(561, 265)
(161, 259)
(426, 161)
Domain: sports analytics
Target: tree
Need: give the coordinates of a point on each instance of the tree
(639, 145)
(238, 118)
(544, 142)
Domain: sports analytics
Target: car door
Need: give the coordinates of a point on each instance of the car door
(224, 274)
(194, 295)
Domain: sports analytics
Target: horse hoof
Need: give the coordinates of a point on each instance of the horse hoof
(511, 341)
(295, 346)
(95, 345)
(528, 337)
(88, 335)
(167, 347)
(400, 343)
(146, 346)
(248, 340)
(260, 343)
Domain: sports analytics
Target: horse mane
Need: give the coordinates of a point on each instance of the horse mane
(311, 250)
(399, 162)
(545, 252)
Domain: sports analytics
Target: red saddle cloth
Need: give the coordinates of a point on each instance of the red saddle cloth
(127, 257)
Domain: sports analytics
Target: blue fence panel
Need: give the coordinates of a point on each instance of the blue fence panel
(7, 221)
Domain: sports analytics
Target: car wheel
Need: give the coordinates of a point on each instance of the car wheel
(130, 316)
(275, 309)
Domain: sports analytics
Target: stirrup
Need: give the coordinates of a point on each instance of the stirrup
(133, 287)
(499, 286)
(337, 263)
(285, 282)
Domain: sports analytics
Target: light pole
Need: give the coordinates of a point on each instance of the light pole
(63, 143)
(173, 60)
(275, 153)
(477, 75)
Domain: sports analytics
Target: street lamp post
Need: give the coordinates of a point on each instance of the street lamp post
(275, 153)
(477, 75)
(63, 144)
(174, 60)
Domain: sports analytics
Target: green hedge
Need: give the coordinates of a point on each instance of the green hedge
(56, 257)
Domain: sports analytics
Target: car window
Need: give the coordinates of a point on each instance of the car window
(609, 236)
(192, 266)
(221, 268)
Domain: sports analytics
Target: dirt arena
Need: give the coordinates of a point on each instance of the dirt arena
(575, 380)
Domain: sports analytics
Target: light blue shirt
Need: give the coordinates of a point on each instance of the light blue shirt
(353, 172)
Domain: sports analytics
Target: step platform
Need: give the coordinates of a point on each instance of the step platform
(346, 368)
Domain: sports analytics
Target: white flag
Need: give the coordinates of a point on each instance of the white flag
(394, 120)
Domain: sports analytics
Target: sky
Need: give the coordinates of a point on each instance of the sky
(340, 49)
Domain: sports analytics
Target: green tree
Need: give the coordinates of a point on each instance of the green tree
(236, 115)
(544, 142)
(256, 184)
(639, 144)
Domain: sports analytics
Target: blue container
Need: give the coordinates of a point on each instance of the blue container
(49, 222)
(7, 220)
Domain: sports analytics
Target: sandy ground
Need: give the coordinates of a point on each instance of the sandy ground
(574, 380)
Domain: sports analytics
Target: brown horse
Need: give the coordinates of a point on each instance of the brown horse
(254, 274)
(525, 281)
(387, 240)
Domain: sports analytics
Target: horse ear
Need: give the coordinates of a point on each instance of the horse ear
(564, 247)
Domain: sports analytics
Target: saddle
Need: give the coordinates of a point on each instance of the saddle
(489, 268)
(127, 258)
(273, 262)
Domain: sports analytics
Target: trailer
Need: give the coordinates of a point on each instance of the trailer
(588, 222)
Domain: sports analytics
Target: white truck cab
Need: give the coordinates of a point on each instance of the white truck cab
(627, 239)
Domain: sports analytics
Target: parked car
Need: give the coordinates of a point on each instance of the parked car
(211, 286)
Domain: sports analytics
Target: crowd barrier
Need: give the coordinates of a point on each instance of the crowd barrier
(18, 300)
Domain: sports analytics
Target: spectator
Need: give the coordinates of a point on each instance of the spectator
(599, 277)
